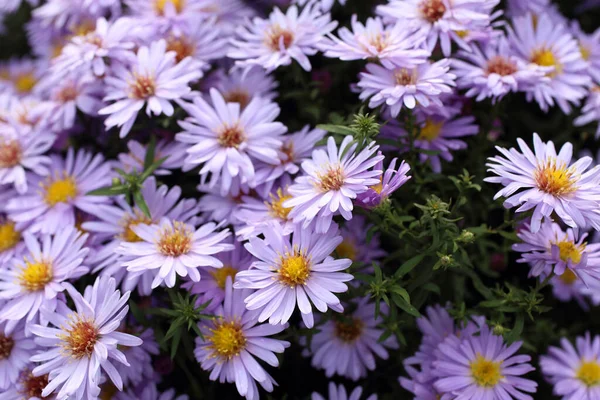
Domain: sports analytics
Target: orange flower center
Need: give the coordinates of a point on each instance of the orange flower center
(238, 96)
(333, 179)
(432, 10)
(10, 153)
(176, 240)
(231, 136)
(277, 35)
(501, 66)
(81, 338)
(32, 386)
(555, 179)
(349, 331)
(142, 87)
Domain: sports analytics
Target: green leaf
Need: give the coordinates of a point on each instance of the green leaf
(141, 203)
(405, 306)
(517, 329)
(109, 191)
(409, 265)
(150, 170)
(400, 291)
(339, 129)
(175, 327)
(150, 151)
(175, 343)
(492, 303)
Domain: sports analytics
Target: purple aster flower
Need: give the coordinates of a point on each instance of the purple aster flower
(27, 385)
(52, 205)
(21, 76)
(552, 249)
(84, 341)
(400, 86)
(212, 285)
(354, 245)
(11, 245)
(258, 215)
(241, 87)
(347, 345)
(517, 7)
(574, 371)
(549, 44)
(282, 38)
(480, 367)
(291, 271)
(15, 350)
(232, 342)
(173, 248)
(149, 392)
(154, 79)
(393, 45)
(567, 287)
(21, 151)
(33, 282)
(139, 357)
(325, 5)
(441, 20)
(334, 177)
(591, 110)
(390, 181)
(227, 142)
(339, 393)
(134, 159)
(493, 71)
(589, 46)
(434, 133)
(222, 207)
(551, 183)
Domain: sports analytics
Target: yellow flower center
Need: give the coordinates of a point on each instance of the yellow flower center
(589, 373)
(276, 208)
(35, 275)
(32, 386)
(159, 5)
(404, 77)
(227, 339)
(568, 277)
(430, 131)
(333, 179)
(6, 345)
(585, 52)
(462, 34)
(10, 153)
(294, 269)
(231, 136)
(129, 222)
(60, 190)
(176, 240)
(555, 179)
(346, 249)
(349, 331)
(220, 275)
(545, 58)
(81, 337)
(9, 236)
(570, 251)
(85, 27)
(486, 373)
(25, 82)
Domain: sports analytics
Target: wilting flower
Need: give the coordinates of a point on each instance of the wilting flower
(21, 151)
(390, 181)
(173, 248)
(400, 86)
(231, 342)
(482, 366)
(393, 45)
(50, 203)
(333, 179)
(340, 393)
(84, 341)
(292, 271)
(574, 371)
(282, 38)
(34, 281)
(549, 44)
(154, 79)
(15, 350)
(347, 345)
(551, 183)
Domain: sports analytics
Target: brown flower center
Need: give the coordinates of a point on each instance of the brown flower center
(432, 10)
(231, 136)
(501, 66)
(32, 386)
(181, 46)
(142, 87)
(405, 77)
(6, 345)
(349, 331)
(81, 338)
(10, 153)
(333, 179)
(238, 96)
(176, 240)
(277, 35)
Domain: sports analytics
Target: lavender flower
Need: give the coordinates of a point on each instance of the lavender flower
(134, 159)
(591, 110)
(340, 393)
(290, 271)
(241, 87)
(15, 350)
(391, 180)
(354, 246)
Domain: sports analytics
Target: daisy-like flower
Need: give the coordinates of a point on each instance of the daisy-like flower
(291, 271)
(15, 350)
(34, 281)
(493, 71)
(549, 44)
(27, 385)
(483, 366)
(406, 86)
(237, 86)
(139, 357)
(52, 205)
(149, 392)
(257, 214)
(173, 248)
(589, 46)
(227, 141)
(231, 342)
(393, 45)
(591, 110)
(162, 15)
(282, 38)
(550, 182)
(354, 246)
(574, 371)
(567, 287)
(154, 79)
(212, 285)
(21, 151)
(552, 249)
(442, 20)
(390, 181)
(339, 393)
(434, 133)
(134, 159)
(334, 177)
(21, 76)
(347, 345)
(220, 207)
(518, 7)
(84, 342)
(11, 244)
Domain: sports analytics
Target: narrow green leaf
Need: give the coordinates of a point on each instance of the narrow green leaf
(339, 129)
(409, 265)
(150, 151)
(492, 303)
(141, 203)
(400, 291)
(517, 329)
(175, 344)
(405, 306)
(150, 170)
(108, 191)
